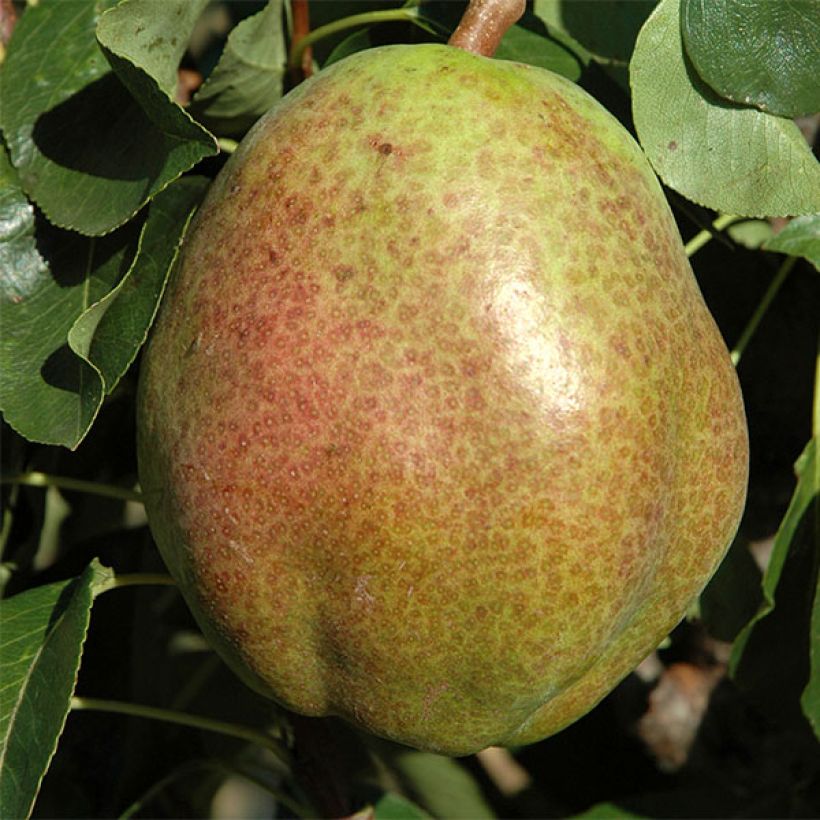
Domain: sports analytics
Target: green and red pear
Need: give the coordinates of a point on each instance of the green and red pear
(436, 432)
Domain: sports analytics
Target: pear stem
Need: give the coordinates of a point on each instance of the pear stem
(484, 24)
(301, 29)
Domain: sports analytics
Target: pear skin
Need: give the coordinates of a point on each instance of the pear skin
(436, 432)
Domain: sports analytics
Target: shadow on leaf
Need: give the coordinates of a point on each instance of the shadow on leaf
(64, 370)
(94, 132)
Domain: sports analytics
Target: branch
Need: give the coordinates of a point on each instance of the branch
(484, 24)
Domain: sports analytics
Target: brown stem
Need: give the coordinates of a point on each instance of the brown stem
(301, 28)
(8, 19)
(484, 24)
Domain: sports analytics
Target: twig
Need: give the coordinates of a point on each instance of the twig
(38, 479)
(301, 29)
(221, 727)
(701, 238)
(366, 18)
(484, 23)
(763, 306)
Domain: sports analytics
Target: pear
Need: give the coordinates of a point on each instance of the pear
(436, 433)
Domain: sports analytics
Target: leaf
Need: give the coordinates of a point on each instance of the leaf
(733, 159)
(395, 807)
(525, 46)
(757, 52)
(733, 595)
(801, 237)
(750, 233)
(19, 258)
(70, 332)
(248, 79)
(358, 41)
(604, 811)
(96, 174)
(43, 634)
(605, 29)
(48, 393)
(150, 37)
(772, 658)
(803, 495)
(439, 784)
(111, 331)
(810, 699)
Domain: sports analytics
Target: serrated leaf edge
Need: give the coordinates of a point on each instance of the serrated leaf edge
(91, 572)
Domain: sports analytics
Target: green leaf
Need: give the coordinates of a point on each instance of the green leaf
(439, 784)
(801, 237)
(19, 259)
(358, 41)
(30, 87)
(752, 652)
(757, 52)
(524, 46)
(111, 331)
(43, 634)
(605, 29)
(732, 597)
(808, 486)
(248, 79)
(750, 233)
(47, 392)
(72, 330)
(150, 37)
(96, 174)
(730, 158)
(604, 811)
(810, 699)
(395, 807)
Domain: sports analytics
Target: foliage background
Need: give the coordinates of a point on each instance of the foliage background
(105, 154)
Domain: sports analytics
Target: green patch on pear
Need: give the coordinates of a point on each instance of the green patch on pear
(435, 430)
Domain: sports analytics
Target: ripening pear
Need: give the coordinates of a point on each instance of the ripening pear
(436, 433)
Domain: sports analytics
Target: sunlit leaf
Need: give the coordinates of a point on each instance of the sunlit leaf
(86, 151)
(801, 237)
(20, 261)
(111, 331)
(731, 158)
(750, 233)
(47, 392)
(247, 81)
(757, 52)
(40, 648)
(73, 326)
(151, 37)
